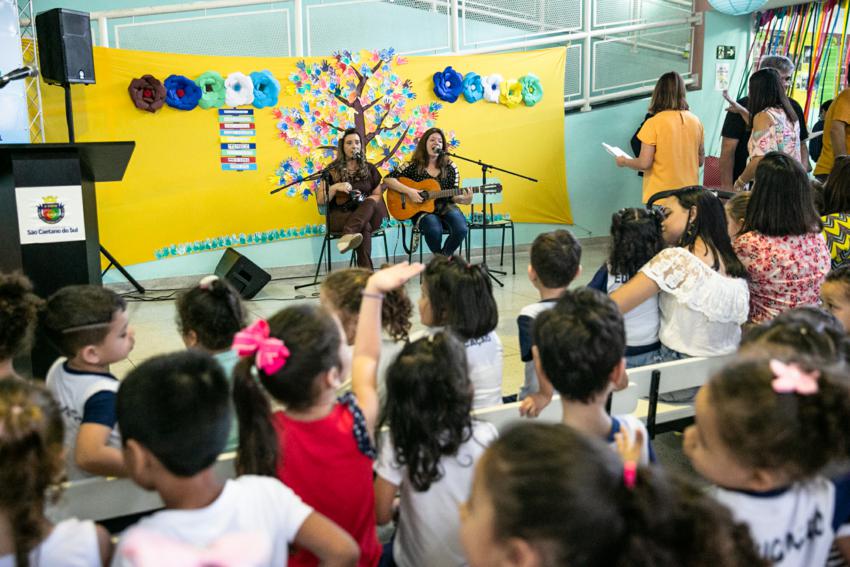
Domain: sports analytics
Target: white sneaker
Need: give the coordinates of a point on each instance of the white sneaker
(349, 242)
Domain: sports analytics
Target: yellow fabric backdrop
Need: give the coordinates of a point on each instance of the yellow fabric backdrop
(175, 191)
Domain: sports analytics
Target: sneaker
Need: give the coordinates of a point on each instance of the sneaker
(349, 242)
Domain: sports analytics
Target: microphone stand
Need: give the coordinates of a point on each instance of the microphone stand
(484, 168)
(312, 177)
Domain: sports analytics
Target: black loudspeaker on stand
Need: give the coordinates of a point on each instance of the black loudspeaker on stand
(66, 58)
(243, 274)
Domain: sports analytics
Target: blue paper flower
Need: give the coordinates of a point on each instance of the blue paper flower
(532, 91)
(448, 84)
(181, 92)
(266, 89)
(473, 90)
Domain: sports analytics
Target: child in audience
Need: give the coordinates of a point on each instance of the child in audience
(341, 293)
(90, 327)
(18, 315)
(635, 240)
(459, 297)
(31, 464)
(736, 211)
(807, 331)
(174, 414)
(764, 431)
(208, 317)
(548, 496)
(319, 446)
(835, 295)
(578, 349)
(555, 262)
(428, 451)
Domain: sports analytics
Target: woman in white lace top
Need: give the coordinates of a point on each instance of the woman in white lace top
(704, 297)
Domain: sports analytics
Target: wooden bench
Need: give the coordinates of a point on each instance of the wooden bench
(102, 498)
(107, 498)
(646, 384)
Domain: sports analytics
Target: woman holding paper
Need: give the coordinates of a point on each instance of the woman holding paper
(671, 150)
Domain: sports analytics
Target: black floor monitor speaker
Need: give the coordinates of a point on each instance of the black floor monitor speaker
(243, 274)
(64, 47)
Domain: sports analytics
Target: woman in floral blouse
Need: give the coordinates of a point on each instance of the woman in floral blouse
(772, 120)
(780, 244)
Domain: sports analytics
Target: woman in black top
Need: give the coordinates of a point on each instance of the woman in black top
(429, 163)
(352, 188)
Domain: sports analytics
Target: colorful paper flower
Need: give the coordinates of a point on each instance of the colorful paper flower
(238, 89)
(266, 89)
(212, 90)
(181, 92)
(511, 93)
(147, 93)
(532, 91)
(448, 84)
(473, 89)
(492, 85)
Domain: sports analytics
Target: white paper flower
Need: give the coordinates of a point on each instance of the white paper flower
(239, 89)
(492, 87)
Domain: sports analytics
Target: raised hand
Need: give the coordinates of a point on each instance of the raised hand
(393, 277)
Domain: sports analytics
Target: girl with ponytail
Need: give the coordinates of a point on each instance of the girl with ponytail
(458, 297)
(320, 446)
(546, 495)
(31, 468)
(208, 317)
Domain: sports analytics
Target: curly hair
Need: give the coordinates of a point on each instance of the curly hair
(805, 331)
(563, 493)
(214, 311)
(580, 340)
(313, 338)
(794, 433)
(19, 308)
(31, 464)
(635, 238)
(429, 402)
(343, 289)
(461, 296)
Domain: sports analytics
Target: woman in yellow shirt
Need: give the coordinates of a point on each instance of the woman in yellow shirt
(671, 150)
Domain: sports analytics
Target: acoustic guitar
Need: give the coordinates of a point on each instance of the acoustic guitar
(401, 207)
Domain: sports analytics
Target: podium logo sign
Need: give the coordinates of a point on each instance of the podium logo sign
(50, 214)
(51, 210)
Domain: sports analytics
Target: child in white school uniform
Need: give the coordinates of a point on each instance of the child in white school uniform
(31, 464)
(174, 413)
(90, 326)
(765, 429)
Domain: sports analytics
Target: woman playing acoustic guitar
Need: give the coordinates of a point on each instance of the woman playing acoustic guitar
(355, 207)
(429, 163)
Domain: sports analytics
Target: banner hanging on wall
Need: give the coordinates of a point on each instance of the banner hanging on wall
(188, 191)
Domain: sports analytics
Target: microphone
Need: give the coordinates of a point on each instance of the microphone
(17, 74)
(357, 156)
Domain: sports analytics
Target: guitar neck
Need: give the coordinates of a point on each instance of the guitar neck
(454, 192)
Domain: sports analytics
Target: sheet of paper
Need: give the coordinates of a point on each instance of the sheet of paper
(614, 150)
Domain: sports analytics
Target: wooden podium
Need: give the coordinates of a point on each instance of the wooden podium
(48, 216)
